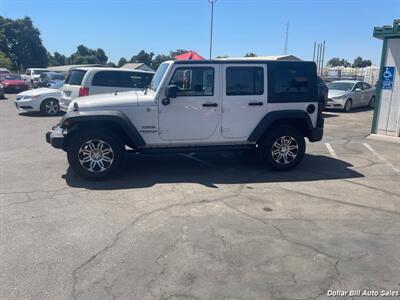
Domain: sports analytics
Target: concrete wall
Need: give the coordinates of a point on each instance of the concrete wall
(389, 110)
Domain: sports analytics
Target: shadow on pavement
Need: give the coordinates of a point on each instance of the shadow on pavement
(210, 169)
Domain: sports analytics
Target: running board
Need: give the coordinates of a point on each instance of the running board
(196, 149)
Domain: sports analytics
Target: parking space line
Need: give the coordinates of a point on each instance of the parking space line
(381, 158)
(330, 149)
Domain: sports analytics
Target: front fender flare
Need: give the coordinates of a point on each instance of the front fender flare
(73, 118)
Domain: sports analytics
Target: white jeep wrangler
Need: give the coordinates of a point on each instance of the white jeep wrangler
(192, 106)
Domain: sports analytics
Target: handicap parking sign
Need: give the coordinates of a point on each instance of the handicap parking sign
(387, 78)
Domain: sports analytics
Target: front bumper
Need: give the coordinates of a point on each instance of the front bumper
(27, 104)
(335, 103)
(55, 137)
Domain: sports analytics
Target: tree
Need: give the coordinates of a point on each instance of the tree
(158, 60)
(86, 56)
(143, 57)
(359, 62)
(5, 62)
(122, 62)
(337, 62)
(177, 52)
(250, 54)
(20, 41)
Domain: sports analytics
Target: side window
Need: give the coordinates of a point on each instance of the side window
(358, 86)
(241, 81)
(366, 86)
(28, 72)
(135, 80)
(195, 81)
(292, 82)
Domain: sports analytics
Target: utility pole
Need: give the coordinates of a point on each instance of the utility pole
(286, 38)
(323, 55)
(211, 27)
(313, 56)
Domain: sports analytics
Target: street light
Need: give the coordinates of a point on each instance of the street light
(211, 27)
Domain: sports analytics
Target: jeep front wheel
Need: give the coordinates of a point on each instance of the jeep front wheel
(95, 155)
(283, 148)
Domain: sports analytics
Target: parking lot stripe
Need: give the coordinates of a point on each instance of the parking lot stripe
(330, 149)
(381, 158)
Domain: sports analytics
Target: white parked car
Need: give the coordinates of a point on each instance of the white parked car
(45, 100)
(87, 81)
(33, 74)
(347, 94)
(266, 106)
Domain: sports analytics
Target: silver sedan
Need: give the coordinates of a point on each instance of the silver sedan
(346, 94)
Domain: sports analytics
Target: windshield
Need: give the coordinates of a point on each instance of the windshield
(341, 86)
(11, 77)
(158, 76)
(57, 85)
(40, 71)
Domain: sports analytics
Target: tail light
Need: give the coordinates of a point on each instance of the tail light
(83, 91)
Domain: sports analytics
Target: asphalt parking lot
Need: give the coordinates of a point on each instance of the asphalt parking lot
(206, 226)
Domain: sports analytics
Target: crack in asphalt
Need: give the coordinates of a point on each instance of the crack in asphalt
(342, 202)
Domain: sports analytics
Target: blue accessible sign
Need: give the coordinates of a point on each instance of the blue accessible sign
(387, 78)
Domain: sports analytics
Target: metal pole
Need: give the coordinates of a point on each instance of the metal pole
(211, 27)
(286, 39)
(313, 56)
(323, 55)
(318, 50)
(320, 57)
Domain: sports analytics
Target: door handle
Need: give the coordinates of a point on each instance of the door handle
(256, 103)
(210, 104)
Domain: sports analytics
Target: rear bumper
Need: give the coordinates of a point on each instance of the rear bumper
(64, 103)
(55, 137)
(316, 134)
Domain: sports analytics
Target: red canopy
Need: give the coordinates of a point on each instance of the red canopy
(189, 55)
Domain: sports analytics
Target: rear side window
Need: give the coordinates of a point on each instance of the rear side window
(366, 86)
(75, 77)
(292, 82)
(241, 81)
(122, 79)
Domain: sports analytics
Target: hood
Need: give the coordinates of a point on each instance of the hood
(101, 101)
(14, 82)
(40, 91)
(337, 93)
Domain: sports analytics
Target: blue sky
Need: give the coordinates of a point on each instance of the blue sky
(123, 27)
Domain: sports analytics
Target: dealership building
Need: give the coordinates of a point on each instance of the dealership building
(386, 120)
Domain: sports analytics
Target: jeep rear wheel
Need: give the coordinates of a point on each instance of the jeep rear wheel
(95, 155)
(283, 148)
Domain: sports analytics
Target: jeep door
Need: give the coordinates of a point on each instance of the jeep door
(244, 98)
(194, 113)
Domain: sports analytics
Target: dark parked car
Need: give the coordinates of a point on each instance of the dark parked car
(49, 78)
(13, 83)
(322, 91)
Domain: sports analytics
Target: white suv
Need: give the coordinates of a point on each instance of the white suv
(191, 106)
(91, 81)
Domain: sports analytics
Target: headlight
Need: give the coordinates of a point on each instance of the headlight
(339, 97)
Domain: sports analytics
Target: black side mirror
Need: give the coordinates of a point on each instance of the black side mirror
(171, 91)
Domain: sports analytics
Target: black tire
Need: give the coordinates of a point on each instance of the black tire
(372, 102)
(268, 145)
(79, 146)
(348, 105)
(50, 107)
